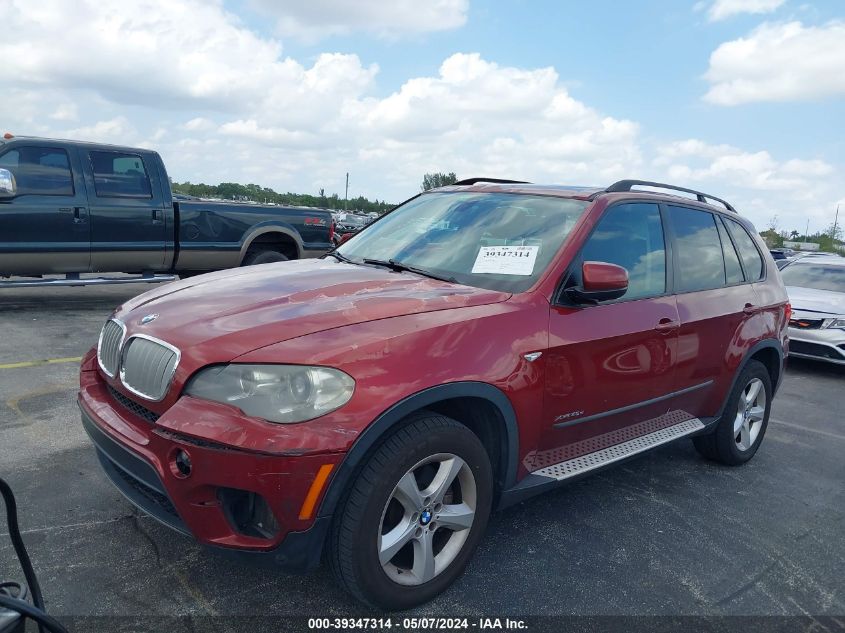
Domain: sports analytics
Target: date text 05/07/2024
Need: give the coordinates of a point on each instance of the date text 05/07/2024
(430, 623)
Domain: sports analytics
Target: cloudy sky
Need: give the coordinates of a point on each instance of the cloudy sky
(741, 98)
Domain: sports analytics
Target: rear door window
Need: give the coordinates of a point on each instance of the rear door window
(751, 260)
(701, 264)
(120, 175)
(631, 236)
(43, 171)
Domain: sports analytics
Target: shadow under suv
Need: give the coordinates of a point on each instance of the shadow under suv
(375, 405)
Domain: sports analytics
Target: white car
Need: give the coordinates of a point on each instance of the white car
(816, 287)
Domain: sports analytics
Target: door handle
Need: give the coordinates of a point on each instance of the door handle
(65, 209)
(667, 325)
(79, 215)
(157, 216)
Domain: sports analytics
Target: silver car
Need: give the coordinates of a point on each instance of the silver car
(816, 287)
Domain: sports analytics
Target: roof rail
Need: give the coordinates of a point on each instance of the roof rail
(627, 185)
(502, 181)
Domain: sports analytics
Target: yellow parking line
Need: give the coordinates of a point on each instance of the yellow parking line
(36, 363)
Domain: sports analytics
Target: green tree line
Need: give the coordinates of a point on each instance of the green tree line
(257, 193)
(828, 240)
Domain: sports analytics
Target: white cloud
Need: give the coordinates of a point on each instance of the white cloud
(222, 104)
(103, 131)
(179, 54)
(317, 19)
(476, 117)
(779, 62)
(722, 9)
(698, 161)
(65, 112)
(199, 124)
(758, 184)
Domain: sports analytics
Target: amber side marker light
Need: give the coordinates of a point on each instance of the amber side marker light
(307, 509)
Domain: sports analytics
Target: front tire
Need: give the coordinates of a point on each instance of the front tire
(254, 258)
(414, 514)
(740, 431)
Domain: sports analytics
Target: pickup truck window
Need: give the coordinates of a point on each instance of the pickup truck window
(120, 175)
(43, 171)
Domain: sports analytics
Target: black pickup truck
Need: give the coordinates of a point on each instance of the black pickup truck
(73, 207)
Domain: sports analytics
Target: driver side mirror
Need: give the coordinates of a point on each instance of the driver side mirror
(600, 281)
(8, 189)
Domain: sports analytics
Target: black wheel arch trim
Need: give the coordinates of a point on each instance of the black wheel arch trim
(264, 228)
(420, 400)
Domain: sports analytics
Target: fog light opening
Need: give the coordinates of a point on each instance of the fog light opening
(248, 513)
(180, 464)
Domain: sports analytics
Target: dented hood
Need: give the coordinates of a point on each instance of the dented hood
(229, 313)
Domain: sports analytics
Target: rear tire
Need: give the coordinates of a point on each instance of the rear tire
(740, 431)
(414, 514)
(254, 258)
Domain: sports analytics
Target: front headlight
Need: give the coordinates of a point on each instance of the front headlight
(838, 323)
(277, 393)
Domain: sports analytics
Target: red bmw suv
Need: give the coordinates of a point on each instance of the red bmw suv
(479, 344)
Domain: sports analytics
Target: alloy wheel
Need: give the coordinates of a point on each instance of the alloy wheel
(427, 519)
(749, 416)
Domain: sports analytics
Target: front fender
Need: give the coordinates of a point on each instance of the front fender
(390, 419)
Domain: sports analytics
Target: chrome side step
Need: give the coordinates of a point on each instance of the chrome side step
(73, 279)
(618, 452)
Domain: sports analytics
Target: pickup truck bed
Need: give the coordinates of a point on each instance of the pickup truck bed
(74, 207)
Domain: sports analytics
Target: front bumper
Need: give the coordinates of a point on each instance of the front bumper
(825, 344)
(137, 455)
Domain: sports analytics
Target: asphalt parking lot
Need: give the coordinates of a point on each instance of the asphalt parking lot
(666, 534)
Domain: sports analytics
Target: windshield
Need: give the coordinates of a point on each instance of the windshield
(497, 241)
(817, 276)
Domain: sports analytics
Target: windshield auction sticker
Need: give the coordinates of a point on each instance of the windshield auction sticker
(506, 260)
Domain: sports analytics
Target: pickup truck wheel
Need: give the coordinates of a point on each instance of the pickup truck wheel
(254, 258)
(740, 431)
(414, 514)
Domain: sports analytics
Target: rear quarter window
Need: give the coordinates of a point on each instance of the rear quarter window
(748, 253)
(733, 269)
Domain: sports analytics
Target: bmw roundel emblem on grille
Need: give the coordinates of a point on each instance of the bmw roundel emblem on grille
(149, 318)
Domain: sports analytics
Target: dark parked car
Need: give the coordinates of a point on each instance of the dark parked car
(350, 225)
(73, 207)
(379, 403)
(782, 253)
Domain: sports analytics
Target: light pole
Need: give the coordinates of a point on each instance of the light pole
(346, 195)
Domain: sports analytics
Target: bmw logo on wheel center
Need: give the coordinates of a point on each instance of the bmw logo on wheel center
(425, 517)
